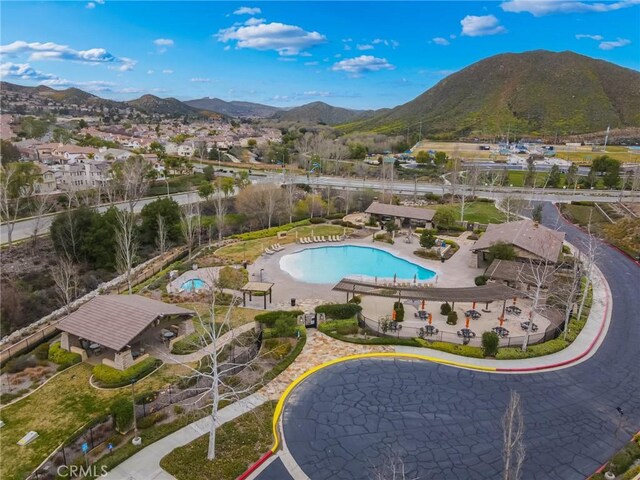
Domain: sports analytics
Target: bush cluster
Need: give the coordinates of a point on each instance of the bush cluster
(41, 352)
(398, 307)
(276, 349)
(270, 232)
(122, 412)
(480, 280)
(63, 358)
(340, 327)
(339, 311)
(452, 318)
(317, 220)
(268, 319)
(445, 308)
(111, 377)
(490, 341)
(464, 350)
(151, 419)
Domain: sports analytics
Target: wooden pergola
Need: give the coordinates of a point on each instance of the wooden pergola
(252, 288)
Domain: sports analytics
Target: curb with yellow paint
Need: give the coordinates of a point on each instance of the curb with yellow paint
(410, 356)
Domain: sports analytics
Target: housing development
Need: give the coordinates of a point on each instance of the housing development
(248, 241)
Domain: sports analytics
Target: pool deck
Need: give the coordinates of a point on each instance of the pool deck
(206, 274)
(458, 271)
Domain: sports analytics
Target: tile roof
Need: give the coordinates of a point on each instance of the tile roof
(115, 320)
(525, 234)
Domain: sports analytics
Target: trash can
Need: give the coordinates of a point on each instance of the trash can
(293, 302)
(442, 259)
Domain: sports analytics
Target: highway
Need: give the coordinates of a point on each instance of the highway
(24, 229)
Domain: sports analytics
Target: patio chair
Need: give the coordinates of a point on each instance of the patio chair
(268, 251)
(324, 239)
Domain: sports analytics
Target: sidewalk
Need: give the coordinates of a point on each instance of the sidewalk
(145, 465)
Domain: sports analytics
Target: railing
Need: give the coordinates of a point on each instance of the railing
(375, 328)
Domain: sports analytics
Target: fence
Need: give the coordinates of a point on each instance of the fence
(377, 328)
(99, 433)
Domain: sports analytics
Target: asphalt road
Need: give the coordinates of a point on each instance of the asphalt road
(24, 229)
(442, 422)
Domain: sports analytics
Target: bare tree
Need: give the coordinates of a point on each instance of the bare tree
(391, 467)
(161, 239)
(65, 277)
(17, 183)
(290, 194)
(513, 450)
(512, 207)
(126, 244)
(224, 187)
(591, 252)
(135, 179)
(41, 205)
(190, 219)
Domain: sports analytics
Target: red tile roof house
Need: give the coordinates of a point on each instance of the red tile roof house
(119, 325)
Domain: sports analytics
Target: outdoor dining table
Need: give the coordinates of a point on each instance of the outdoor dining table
(430, 330)
(527, 325)
(473, 314)
(503, 332)
(466, 333)
(95, 348)
(422, 314)
(168, 334)
(513, 309)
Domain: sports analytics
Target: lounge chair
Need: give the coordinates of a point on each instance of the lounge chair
(278, 247)
(323, 239)
(268, 251)
(304, 240)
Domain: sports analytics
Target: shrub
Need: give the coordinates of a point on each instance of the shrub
(445, 308)
(285, 327)
(546, 348)
(473, 236)
(480, 280)
(317, 220)
(41, 352)
(152, 419)
(502, 251)
(490, 341)
(340, 327)
(178, 409)
(335, 216)
(452, 318)
(277, 350)
(399, 309)
(268, 319)
(232, 278)
(339, 310)
(146, 397)
(17, 364)
(464, 350)
(122, 412)
(631, 474)
(270, 232)
(111, 377)
(62, 357)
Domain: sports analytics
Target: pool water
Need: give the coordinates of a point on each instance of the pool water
(193, 285)
(331, 264)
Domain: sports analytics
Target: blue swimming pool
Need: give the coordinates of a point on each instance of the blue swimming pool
(193, 285)
(332, 263)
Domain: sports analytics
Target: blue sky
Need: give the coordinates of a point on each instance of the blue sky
(352, 54)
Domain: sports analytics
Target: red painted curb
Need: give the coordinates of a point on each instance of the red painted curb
(255, 466)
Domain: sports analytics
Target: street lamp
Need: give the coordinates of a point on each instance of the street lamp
(136, 439)
(261, 270)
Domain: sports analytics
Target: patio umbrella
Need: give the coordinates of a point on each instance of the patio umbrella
(296, 235)
(394, 278)
(423, 304)
(467, 322)
(474, 305)
(393, 315)
(376, 279)
(415, 278)
(501, 319)
(430, 319)
(514, 300)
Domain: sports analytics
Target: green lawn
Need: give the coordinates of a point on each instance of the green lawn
(250, 250)
(239, 444)
(57, 410)
(481, 212)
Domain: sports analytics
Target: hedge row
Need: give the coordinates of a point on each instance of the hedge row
(338, 311)
(340, 327)
(270, 232)
(110, 377)
(464, 350)
(62, 357)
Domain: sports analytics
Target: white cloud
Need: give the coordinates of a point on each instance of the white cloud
(163, 42)
(254, 21)
(150, 72)
(610, 45)
(24, 71)
(101, 2)
(592, 37)
(311, 64)
(359, 65)
(37, 51)
(389, 43)
(248, 11)
(440, 41)
(90, 5)
(200, 80)
(365, 47)
(129, 90)
(539, 8)
(316, 93)
(167, 71)
(452, 36)
(474, 26)
(285, 39)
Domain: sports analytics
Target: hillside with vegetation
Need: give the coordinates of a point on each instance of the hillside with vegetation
(537, 93)
(322, 113)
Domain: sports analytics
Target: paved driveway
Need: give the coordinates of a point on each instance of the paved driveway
(444, 422)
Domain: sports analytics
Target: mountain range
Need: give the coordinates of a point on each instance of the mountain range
(537, 92)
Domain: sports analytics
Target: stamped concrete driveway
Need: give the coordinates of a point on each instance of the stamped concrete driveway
(445, 422)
